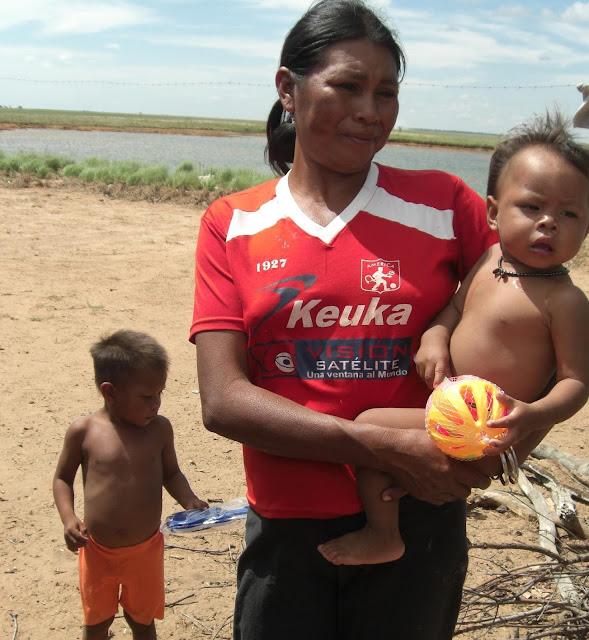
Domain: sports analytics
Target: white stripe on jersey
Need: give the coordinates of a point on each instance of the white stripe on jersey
(434, 222)
(372, 199)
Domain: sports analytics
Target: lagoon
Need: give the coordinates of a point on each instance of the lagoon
(221, 151)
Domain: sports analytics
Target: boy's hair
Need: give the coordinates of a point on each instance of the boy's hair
(125, 352)
(550, 130)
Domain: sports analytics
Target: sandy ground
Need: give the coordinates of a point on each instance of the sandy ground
(74, 265)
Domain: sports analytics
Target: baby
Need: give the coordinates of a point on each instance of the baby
(517, 319)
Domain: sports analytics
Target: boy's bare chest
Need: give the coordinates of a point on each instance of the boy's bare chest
(123, 455)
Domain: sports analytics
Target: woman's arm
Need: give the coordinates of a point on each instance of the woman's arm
(235, 408)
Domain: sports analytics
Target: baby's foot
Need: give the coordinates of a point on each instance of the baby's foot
(366, 546)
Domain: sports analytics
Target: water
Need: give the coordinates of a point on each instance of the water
(212, 151)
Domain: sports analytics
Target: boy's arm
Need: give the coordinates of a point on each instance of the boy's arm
(569, 322)
(75, 532)
(432, 360)
(174, 480)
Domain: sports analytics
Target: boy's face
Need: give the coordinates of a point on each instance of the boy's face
(541, 210)
(136, 401)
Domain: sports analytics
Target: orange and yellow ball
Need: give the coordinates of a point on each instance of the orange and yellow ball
(457, 413)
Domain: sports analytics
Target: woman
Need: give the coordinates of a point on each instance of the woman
(312, 292)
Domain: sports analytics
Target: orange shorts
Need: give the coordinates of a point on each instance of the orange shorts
(136, 571)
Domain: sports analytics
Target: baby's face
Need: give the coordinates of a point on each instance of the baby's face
(541, 210)
(138, 399)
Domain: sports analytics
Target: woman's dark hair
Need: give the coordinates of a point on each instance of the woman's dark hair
(325, 23)
(551, 130)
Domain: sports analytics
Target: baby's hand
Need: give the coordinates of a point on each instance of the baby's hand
(432, 362)
(521, 420)
(196, 503)
(75, 534)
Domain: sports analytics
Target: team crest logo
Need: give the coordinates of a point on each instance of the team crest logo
(380, 276)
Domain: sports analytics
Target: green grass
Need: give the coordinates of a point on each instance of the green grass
(73, 119)
(185, 176)
(140, 121)
(460, 139)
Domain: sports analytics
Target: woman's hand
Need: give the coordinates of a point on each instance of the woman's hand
(426, 473)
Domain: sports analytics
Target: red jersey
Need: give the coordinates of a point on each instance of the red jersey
(334, 314)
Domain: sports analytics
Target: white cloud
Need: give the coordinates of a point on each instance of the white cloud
(516, 11)
(31, 56)
(577, 12)
(71, 17)
(242, 46)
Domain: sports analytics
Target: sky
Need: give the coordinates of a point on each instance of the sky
(472, 65)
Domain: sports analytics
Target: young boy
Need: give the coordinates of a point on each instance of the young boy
(127, 454)
(517, 320)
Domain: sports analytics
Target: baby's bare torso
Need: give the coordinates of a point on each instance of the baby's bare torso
(122, 471)
(504, 333)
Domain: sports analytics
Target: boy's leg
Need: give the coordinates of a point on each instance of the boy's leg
(379, 541)
(97, 631)
(141, 574)
(99, 590)
(141, 631)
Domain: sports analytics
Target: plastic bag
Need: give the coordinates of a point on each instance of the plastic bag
(195, 520)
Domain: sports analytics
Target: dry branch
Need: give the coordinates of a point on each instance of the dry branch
(213, 552)
(548, 451)
(548, 536)
(562, 497)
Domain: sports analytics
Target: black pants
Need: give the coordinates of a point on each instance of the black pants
(287, 590)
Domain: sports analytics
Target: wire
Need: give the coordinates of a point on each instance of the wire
(254, 84)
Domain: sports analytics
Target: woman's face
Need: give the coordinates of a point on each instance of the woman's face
(345, 108)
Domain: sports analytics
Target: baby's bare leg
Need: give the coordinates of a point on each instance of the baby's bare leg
(380, 540)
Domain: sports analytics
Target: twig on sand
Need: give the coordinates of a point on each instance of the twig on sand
(171, 604)
(213, 552)
(15, 621)
(197, 622)
(219, 629)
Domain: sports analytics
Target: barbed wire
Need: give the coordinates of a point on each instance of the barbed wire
(255, 84)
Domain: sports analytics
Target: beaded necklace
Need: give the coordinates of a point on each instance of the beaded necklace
(500, 272)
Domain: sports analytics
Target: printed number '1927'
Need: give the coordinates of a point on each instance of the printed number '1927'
(271, 264)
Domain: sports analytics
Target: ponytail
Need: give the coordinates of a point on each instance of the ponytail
(281, 136)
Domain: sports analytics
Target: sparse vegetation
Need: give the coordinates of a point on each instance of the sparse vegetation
(97, 170)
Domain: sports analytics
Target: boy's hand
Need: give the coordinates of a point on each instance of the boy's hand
(432, 362)
(521, 420)
(75, 534)
(196, 503)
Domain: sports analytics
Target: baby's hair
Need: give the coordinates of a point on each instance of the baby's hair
(550, 130)
(126, 352)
